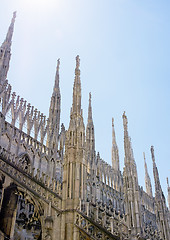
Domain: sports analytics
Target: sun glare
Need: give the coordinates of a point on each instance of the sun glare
(39, 4)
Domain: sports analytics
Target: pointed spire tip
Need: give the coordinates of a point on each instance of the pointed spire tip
(14, 14)
(112, 122)
(77, 61)
(58, 64)
(125, 120)
(144, 156)
(152, 153)
(89, 95)
(77, 69)
(89, 108)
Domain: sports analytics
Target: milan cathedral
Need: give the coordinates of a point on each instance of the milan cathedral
(53, 184)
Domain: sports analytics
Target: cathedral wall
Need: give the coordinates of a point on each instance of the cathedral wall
(18, 143)
(147, 201)
(4, 141)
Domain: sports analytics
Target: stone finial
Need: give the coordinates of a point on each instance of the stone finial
(152, 153)
(14, 15)
(90, 109)
(77, 62)
(77, 69)
(58, 64)
(76, 104)
(89, 96)
(112, 122)
(125, 121)
(113, 133)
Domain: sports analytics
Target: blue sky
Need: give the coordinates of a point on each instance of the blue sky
(125, 64)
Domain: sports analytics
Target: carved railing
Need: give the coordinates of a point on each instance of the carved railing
(105, 217)
(42, 187)
(96, 231)
(151, 232)
(105, 195)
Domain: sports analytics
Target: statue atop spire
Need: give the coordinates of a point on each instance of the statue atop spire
(90, 109)
(56, 85)
(5, 52)
(147, 179)
(76, 106)
(125, 121)
(58, 64)
(77, 62)
(115, 151)
(152, 153)
(127, 141)
(77, 69)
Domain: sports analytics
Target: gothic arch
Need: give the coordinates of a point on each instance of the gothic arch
(28, 218)
(21, 214)
(29, 197)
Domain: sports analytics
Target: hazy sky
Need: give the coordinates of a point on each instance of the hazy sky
(125, 64)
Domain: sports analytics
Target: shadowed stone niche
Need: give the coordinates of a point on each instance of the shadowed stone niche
(27, 225)
(19, 217)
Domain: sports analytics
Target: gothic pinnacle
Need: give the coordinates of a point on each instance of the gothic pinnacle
(90, 138)
(76, 106)
(77, 70)
(147, 179)
(146, 169)
(58, 64)
(125, 122)
(90, 109)
(56, 85)
(54, 112)
(11, 29)
(152, 153)
(113, 132)
(129, 157)
(158, 188)
(115, 152)
(5, 52)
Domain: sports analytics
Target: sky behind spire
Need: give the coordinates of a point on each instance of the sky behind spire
(125, 64)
